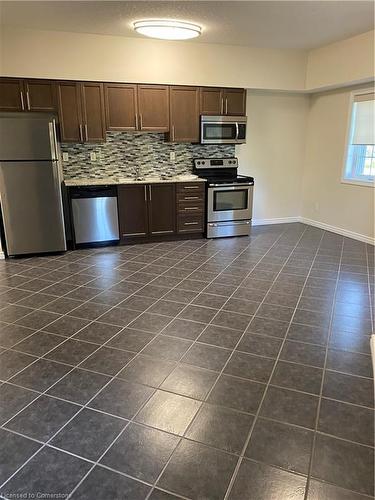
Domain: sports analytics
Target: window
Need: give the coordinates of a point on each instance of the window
(360, 155)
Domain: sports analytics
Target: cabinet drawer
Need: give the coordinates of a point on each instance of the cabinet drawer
(191, 224)
(190, 207)
(190, 187)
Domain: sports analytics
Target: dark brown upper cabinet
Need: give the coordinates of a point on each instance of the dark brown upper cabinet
(234, 102)
(153, 108)
(81, 112)
(162, 209)
(12, 97)
(133, 210)
(40, 95)
(216, 101)
(121, 106)
(211, 101)
(184, 114)
(93, 112)
(27, 95)
(70, 112)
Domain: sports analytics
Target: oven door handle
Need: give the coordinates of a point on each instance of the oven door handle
(236, 187)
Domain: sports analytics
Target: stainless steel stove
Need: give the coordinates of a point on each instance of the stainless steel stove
(229, 197)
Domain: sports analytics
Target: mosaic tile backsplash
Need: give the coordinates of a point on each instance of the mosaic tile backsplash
(125, 152)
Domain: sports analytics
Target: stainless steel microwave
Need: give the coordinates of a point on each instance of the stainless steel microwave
(223, 129)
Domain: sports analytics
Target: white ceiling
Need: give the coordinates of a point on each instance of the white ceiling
(277, 24)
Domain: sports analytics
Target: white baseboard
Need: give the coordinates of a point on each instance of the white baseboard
(338, 230)
(315, 223)
(280, 220)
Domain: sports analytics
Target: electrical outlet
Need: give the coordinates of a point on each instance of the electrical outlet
(172, 156)
(65, 157)
(93, 156)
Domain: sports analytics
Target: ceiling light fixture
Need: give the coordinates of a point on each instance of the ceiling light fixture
(167, 29)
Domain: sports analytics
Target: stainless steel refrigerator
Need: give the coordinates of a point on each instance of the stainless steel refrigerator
(30, 184)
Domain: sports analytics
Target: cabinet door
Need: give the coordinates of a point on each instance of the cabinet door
(12, 97)
(132, 205)
(153, 108)
(211, 101)
(70, 111)
(121, 106)
(162, 208)
(184, 114)
(40, 95)
(234, 101)
(93, 112)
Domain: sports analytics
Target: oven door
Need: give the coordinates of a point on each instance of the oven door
(228, 202)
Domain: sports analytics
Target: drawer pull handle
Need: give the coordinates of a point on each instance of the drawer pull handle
(191, 208)
(191, 198)
(191, 223)
(191, 187)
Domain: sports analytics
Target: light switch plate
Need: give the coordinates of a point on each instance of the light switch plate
(65, 156)
(93, 156)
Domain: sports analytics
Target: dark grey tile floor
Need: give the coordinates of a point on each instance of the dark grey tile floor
(236, 368)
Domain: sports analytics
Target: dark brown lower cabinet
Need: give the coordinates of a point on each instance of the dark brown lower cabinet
(153, 211)
(133, 211)
(162, 209)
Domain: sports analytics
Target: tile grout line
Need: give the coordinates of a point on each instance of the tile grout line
(239, 462)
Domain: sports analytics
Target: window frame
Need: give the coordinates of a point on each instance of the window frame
(344, 179)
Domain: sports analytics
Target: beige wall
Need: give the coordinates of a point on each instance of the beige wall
(342, 63)
(52, 54)
(325, 198)
(81, 56)
(274, 152)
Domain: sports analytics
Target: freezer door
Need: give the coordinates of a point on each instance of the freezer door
(30, 197)
(27, 137)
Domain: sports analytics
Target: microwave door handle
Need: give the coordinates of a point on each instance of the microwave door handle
(237, 131)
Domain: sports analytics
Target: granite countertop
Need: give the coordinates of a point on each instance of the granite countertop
(126, 180)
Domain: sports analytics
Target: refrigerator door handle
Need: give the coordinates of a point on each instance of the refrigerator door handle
(53, 140)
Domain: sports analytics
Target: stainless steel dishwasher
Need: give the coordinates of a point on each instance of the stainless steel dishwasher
(95, 214)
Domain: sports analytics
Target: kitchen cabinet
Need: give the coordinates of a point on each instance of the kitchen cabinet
(153, 108)
(146, 210)
(211, 101)
(81, 112)
(27, 95)
(234, 102)
(161, 209)
(184, 114)
(137, 107)
(190, 203)
(149, 211)
(121, 106)
(133, 210)
(11, 95)
(93, 112)
(40, 95)
(70, 112)
(216, 101)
